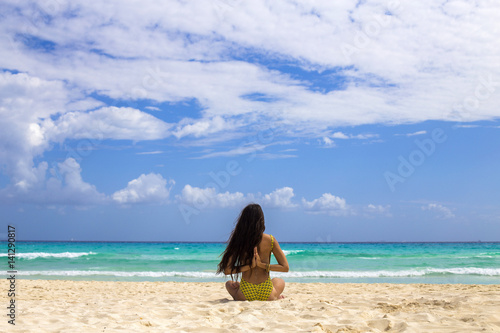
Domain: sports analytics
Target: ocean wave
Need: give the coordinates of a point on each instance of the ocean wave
(369, 258)
(34, 255)
(121, 274)
(402, 273)
(172, 258)
(307, 274)
(289, 252)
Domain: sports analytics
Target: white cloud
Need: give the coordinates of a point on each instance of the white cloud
(201, 198)
(364, 136)
(339, 135)
(273, 156)
(241, 150)
(150, 188)
(107, 123)
(72, 188)
(279, 198)
(201, 128)
(406, 71)
(64, 186)
(378, 209)
(443, 212)
(328, 204)
(328, 142)
(416, 133)
(24, 101)
(156, 152)
(466, 126)
(35, 113)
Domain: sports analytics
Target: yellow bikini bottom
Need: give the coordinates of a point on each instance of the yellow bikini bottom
(256, 292)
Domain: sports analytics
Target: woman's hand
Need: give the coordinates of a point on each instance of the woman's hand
(256, 258)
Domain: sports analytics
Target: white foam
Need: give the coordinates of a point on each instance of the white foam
(34, 255)
(385, 273)
(351, 274)
(121, 274)
(288, 252)
(468, 271)
(308, 274)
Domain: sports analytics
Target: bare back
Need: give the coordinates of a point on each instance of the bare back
(258, 275)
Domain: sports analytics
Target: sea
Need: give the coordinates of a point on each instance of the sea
(464, 263)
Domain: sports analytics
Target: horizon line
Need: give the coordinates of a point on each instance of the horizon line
(282, 242)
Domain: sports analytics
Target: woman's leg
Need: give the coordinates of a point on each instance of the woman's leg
(279, 286)
(233, 288)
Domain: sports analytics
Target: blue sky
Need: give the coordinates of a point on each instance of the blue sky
(346, 120)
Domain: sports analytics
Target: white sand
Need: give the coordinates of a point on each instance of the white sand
(68, 306)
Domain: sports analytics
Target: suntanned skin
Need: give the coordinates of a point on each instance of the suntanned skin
(256, 272)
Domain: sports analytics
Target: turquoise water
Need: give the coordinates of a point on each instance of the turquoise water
(309, 262)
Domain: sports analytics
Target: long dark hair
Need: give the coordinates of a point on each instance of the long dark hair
(245, 236)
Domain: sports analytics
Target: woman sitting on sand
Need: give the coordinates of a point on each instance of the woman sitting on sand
(246, 245)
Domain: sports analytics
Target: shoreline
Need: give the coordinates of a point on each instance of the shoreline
(89, 306)
(289, 280)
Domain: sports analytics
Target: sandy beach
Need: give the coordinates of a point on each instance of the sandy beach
(90, 306)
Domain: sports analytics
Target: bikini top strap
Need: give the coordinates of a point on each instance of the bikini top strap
(272, 243)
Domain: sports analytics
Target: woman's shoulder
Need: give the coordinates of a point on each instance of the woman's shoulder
(266, 242)
(267, 238)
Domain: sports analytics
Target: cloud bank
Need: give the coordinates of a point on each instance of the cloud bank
(247, 66)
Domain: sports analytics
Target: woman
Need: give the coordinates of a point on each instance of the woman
(246, 246)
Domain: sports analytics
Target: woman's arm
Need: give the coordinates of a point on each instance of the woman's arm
(240, 269)
(282, 265)
(236, 270)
